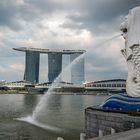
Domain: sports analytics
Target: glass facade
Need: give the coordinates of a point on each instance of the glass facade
(32, 67)
(77, 71)
(54, 65)
(32, 62)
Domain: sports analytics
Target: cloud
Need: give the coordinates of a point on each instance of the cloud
(17, 67)
(64, 24)
(2, 70)
(100, 15)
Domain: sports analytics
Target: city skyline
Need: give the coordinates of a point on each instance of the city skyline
(64, 24)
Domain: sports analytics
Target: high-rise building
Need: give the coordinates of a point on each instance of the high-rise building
(77, 70)
(32, 66)
(32, 60)
(54, 65)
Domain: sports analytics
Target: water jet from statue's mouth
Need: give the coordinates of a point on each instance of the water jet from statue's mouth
(31, 121)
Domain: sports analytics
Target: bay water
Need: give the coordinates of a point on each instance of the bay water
(64, 116)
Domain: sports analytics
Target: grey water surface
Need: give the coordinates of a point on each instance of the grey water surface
(65, 112)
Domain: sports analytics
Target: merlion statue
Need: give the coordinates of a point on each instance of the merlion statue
(129, 101)
(131, 33)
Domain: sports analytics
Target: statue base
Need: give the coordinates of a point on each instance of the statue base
(122, 102)
(118, 113)
(108, 122)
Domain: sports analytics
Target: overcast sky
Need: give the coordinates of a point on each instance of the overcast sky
(64, 24)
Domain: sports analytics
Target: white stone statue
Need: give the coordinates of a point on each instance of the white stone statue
(131, 33)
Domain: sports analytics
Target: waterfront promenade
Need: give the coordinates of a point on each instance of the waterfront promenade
(133, 134)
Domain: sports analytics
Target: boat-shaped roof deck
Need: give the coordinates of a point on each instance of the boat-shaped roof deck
(40, 50)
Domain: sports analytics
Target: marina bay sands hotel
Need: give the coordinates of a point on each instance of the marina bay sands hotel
(32, 61)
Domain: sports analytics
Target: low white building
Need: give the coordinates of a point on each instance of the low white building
(113, 84)
(18, 84)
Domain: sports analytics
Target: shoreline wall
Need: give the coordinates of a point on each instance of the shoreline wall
(104, 121)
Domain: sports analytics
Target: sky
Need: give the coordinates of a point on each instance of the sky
(64, 24)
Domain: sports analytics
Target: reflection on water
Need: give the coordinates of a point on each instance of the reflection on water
(61, 111)
(30, 102)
